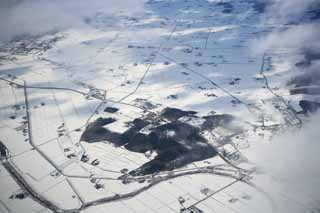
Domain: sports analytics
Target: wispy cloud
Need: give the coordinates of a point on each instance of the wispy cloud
(293, 158)
(295, 38)
(296, 30)
(40, 16)
(298, 33)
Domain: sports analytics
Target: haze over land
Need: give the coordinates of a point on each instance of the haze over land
(159, 106)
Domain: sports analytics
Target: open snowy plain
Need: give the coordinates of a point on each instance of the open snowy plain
(158, 106)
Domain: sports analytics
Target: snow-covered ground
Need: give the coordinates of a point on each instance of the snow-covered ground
(185, 54)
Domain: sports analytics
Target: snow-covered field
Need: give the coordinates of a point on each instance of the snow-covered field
(190, 55)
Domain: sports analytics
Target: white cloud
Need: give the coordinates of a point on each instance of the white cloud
(293, 160)
(303, 34)
(294, 154)
(40, 16)
(295, 38)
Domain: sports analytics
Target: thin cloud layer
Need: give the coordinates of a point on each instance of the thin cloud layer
(293, 158)
(295, 38)
(299, 32)
(35, 17)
